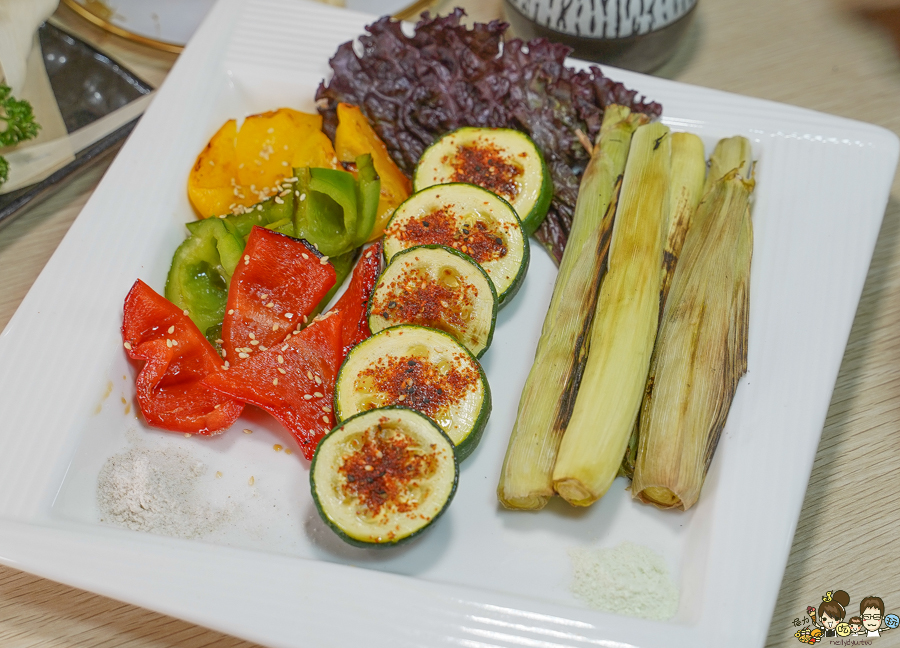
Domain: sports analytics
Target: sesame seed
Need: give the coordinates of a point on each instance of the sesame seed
(185, 311)
(243, 355)
(127, 345)
(326, 408)
(171, 330)
(231, 311)
(254, 342)
(289, 315)
(270, 305)
(174, 342)
(281, 371)
(275, 381)
(187, 434)
(379, 454)
(369, 468)
(318, 394)
(224, 353)
(280, 359)
(401, 397)
(302, 197)
(307, 397)
(246, 259)
(368, 254)
(309, 374)
(218, 474)
(284, 348)
(279, 201)
(227, 364)
(251, 481)
(318, 380)
(252, 336)
(264, 297)
(304, 319)
(248, 431)
(263, 347)
(326, 420)
(323, 260)
(275, 326)
(168, 343)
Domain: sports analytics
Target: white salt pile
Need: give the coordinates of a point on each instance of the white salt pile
(629, 579)
(156, 490)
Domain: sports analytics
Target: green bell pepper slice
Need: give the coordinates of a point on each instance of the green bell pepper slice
(336, 211)
(201, 271)
(368, 193)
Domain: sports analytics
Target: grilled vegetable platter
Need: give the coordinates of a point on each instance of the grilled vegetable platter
(346, 268)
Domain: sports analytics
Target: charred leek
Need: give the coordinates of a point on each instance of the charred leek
(701, 352)
(688, 176)
(624, 326)
(685, 191)
(549, 392)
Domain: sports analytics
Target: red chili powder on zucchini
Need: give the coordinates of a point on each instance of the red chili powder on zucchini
(482, 163)
(414, 298)
(443, 227)
(383, 471)
(419, 384)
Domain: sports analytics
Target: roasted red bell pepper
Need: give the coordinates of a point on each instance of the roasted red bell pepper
(293, 381)
(276, 285)
(177, 357)
(354, 302)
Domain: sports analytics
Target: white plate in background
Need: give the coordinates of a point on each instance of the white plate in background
(169, 24)
(482, 576)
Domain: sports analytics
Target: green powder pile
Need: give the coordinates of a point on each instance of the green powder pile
(629, 579)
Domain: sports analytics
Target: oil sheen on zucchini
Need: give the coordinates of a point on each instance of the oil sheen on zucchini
(501, 160)
(437, 287)
(420, 368)
(381, 477)
(469, 219)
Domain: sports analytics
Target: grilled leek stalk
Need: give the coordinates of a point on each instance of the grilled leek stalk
(685, 191)
(688, 177)
(546, 402)
(701, 351)
(624, 326)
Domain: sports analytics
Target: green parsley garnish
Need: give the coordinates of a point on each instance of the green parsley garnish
(16, 124)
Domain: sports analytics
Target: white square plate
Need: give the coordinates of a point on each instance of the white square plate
(483, 576)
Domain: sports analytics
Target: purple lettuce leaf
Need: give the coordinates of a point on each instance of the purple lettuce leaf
(414, 89)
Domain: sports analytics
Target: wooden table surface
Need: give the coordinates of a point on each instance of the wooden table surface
(819, 54)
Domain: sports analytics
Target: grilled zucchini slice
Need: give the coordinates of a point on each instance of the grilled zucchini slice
(420, 368)
(437, 287)
(469, 219)
(383, 476)
(501, 160)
